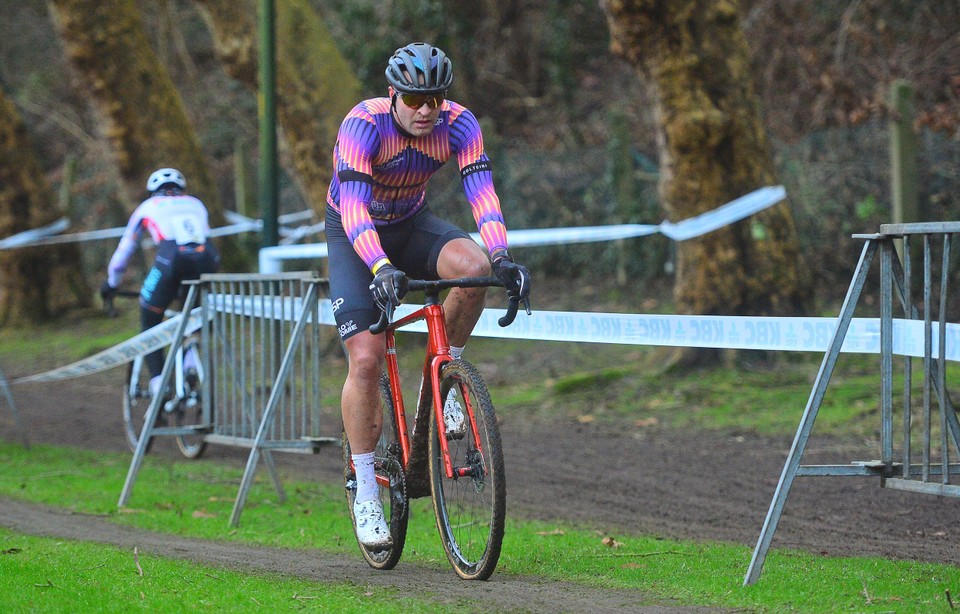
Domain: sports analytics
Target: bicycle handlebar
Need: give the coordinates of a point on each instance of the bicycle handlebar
(108, 301)
(434, 288)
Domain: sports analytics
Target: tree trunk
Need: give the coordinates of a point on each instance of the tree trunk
(36, 283)
(713, 148)
(145, 119)
(315, 85)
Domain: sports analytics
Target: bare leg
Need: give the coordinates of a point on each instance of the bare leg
(463, 306)
(360, 399)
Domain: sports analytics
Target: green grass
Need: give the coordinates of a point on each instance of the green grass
(52, 575)
(195, 499)
(620, 387)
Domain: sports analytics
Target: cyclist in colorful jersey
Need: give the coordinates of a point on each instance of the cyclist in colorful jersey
(180, 229)
(380, 229)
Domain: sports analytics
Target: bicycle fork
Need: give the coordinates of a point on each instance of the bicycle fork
(438, 355)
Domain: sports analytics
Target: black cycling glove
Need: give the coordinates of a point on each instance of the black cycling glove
(388, 286)
(515, 277)
(107, 291)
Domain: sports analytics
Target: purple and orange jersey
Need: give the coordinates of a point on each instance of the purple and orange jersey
(381, 174)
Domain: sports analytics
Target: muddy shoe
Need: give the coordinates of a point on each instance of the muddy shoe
(192, 378)
(372, 529)
(453, 416)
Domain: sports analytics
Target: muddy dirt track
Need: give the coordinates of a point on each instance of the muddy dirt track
(714, 486)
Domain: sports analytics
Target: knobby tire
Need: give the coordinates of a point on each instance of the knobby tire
(189, 413)
(471, 509)
(135, 403)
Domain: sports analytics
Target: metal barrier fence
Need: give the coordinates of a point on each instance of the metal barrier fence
(260, 353)
(899, 466)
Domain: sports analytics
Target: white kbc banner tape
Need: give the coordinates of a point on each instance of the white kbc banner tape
(796, 334)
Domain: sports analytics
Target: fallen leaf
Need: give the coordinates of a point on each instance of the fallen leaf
(585, 419)
(203, 514)
(553, 532)
(646, 422)
(611, 542)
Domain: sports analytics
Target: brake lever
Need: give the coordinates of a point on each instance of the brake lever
(384, 321)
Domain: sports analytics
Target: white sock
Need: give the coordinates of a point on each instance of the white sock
(456, 352)
(155, 385)
(367, 487)
(190, 358)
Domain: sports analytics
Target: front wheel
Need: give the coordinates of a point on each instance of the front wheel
(136, 402)
(471, 506)
(189, 412)
(390, 475)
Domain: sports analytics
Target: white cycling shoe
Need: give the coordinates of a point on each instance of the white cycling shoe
(372, 530)
(453, 419)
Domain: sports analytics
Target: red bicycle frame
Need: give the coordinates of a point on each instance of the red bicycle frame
(437, 354)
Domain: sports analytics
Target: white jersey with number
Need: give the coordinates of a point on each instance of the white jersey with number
(179, 218)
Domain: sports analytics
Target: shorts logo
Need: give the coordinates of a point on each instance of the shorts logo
(347, 327)
(337, 304)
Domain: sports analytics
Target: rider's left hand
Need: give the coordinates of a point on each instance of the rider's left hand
(515, 277)
(107, 291)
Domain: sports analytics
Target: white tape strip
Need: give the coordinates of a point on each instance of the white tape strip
(49, 235)
(158, 337)
(720, 332)
(29, 236)
(271, 257)
(796, 334)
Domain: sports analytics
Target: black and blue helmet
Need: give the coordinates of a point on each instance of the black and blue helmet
(419, 68)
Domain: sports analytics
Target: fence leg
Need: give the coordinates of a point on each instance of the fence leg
(268, 412)
(5, 388)
(810, 413)
(157, 401)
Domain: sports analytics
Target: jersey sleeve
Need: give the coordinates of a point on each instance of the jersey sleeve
(128, 245)
(477, 176)
(357, 143)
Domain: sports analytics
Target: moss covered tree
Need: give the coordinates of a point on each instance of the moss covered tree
(315, 85)
(144, 117)
(713, 148)
(36, 283)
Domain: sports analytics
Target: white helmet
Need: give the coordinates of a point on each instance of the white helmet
(163, 176)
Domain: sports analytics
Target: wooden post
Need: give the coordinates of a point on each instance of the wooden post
(903, 155)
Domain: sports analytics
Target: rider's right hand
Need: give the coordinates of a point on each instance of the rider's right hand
(388, 286)
(107, 291)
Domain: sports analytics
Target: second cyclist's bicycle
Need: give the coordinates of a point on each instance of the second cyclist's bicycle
(183, 404)
(463, 472)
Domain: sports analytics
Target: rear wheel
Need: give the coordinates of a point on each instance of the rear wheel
(388, 457)
(189, 412)
(471, 506)
(136, 401)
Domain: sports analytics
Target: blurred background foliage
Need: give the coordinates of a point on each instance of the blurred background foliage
(567, 125)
